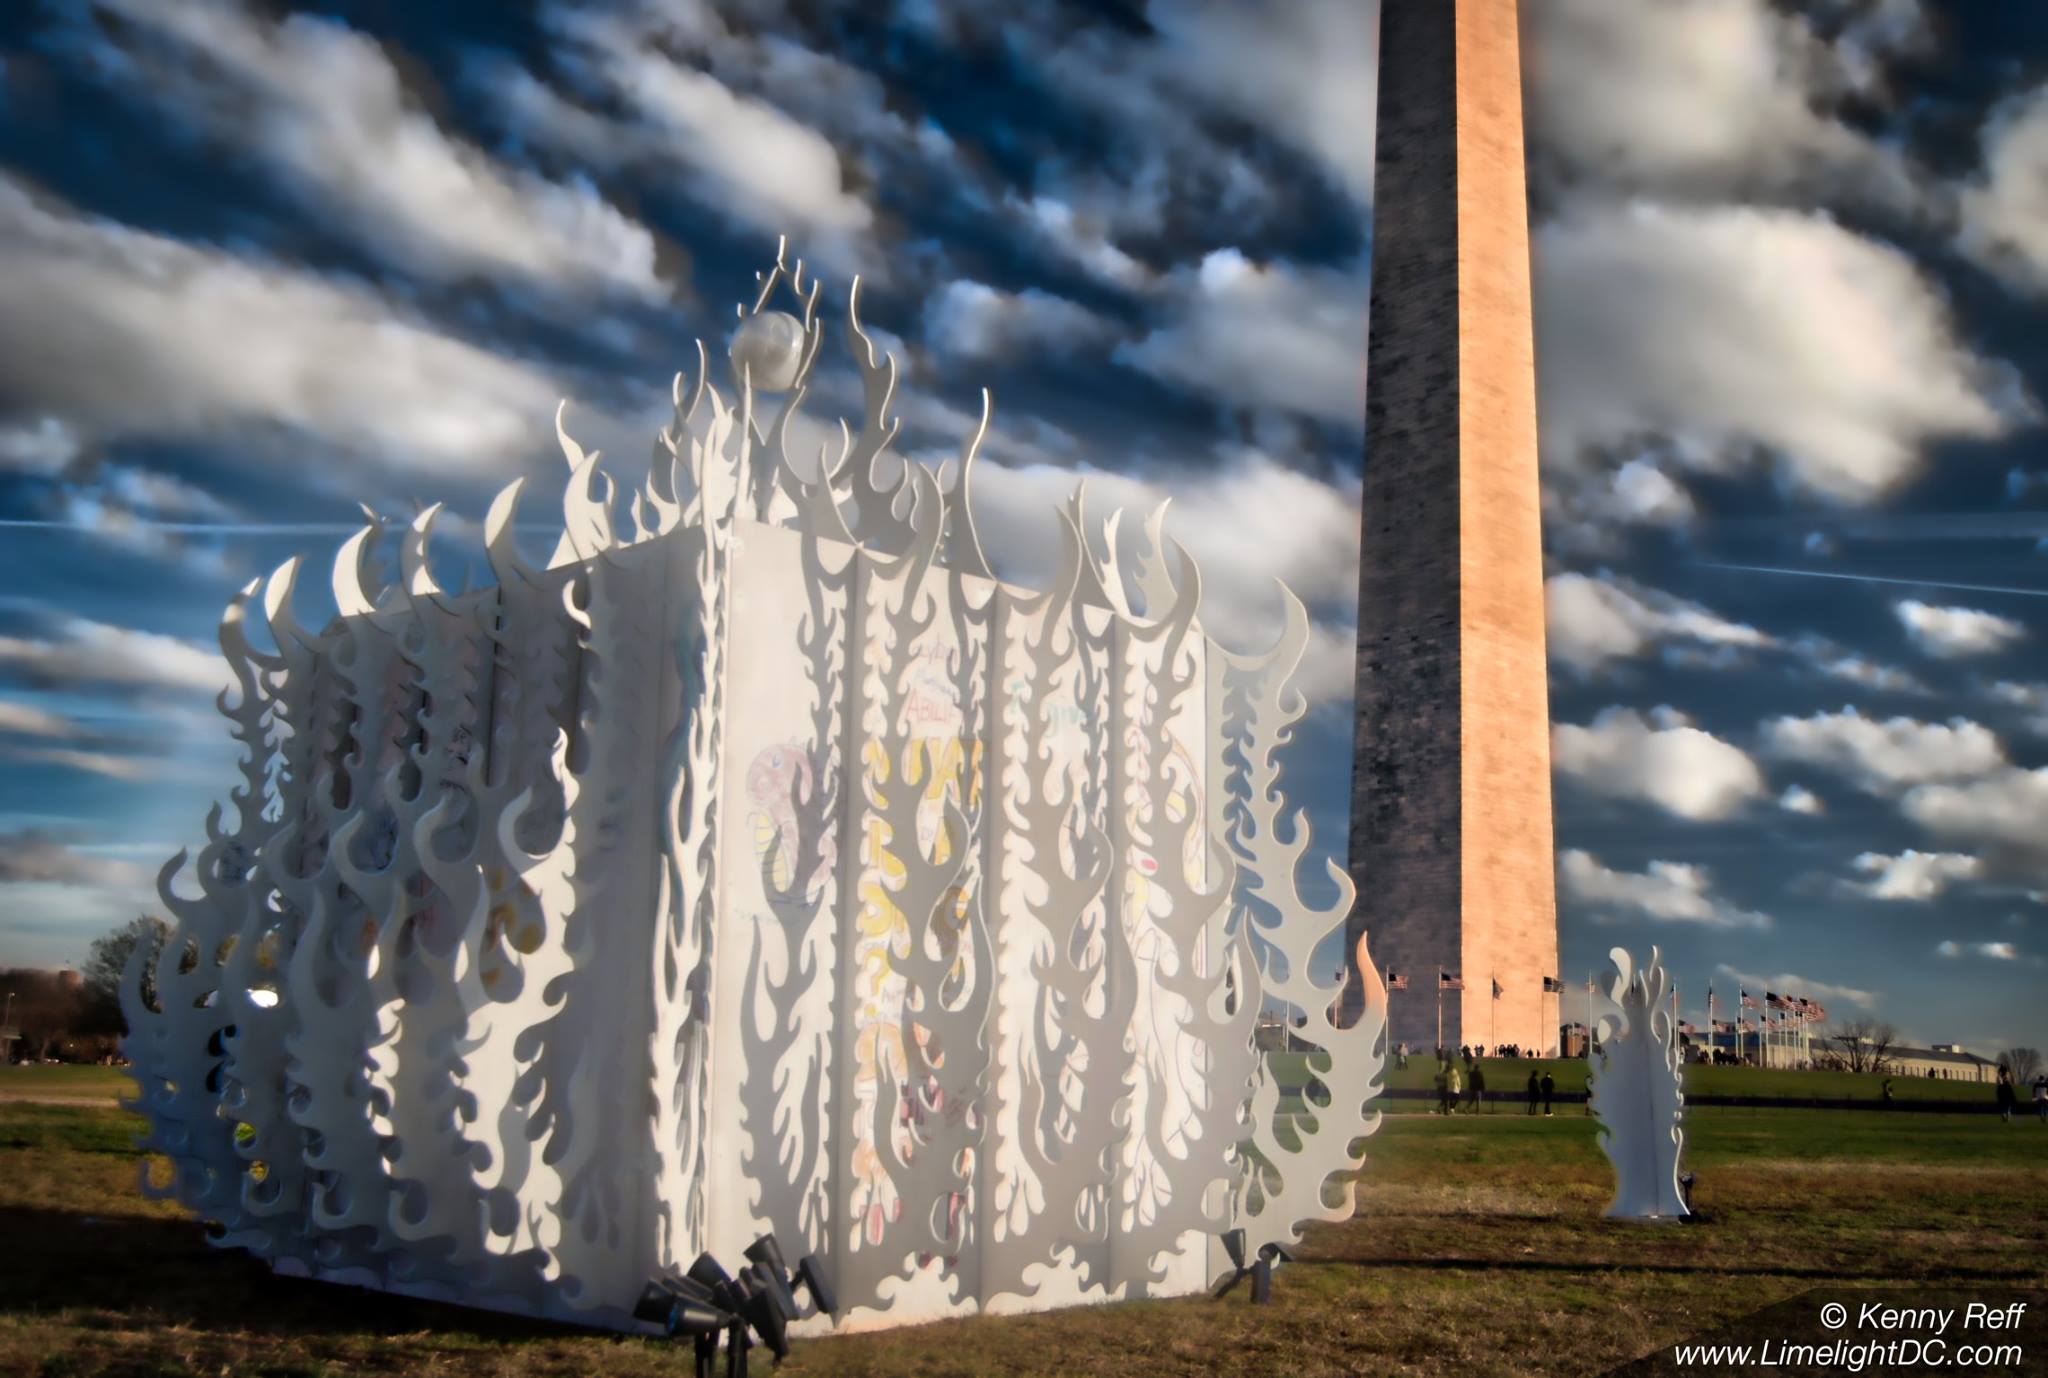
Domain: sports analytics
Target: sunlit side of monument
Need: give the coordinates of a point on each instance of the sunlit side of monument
(759, 864)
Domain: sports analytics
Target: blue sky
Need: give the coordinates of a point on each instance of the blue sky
(259, 264)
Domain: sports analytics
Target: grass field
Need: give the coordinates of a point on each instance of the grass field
(1509, 1080)
(65, 1083)
(1478, 1247)
(1504, 1078)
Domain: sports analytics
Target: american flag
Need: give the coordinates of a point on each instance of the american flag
(1446, 981)
(1496, 990)
(1396, 981)
(1687, 1029)
(1774, 1000)
(1816, 1012)
(1748, 1000)
(1723, 1026)
(1552, 986)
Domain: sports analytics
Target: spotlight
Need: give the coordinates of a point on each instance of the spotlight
(1260, 1271)
(707, 1272)
(810, 1271)
(768, 1253)
(776, 1289)
(771, 1273)
(1233, 1245)
(764, 1312)
(1262, 1282)
(682, 1307)
(730, 1296)
(654, 1305)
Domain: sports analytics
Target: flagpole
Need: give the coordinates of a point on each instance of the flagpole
(1439, 1014)
(1493, 990)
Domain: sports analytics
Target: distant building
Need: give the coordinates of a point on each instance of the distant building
(1945, 1061)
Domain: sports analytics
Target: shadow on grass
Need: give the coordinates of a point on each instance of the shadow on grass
(162, 1272)
(1439, 1263)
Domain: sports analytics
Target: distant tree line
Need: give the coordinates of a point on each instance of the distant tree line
(76, 1015)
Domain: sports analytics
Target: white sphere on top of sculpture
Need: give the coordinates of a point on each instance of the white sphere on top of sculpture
(768, 349)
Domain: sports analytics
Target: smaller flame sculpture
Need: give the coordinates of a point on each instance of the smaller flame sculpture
(760, 864)
(1636, 1090)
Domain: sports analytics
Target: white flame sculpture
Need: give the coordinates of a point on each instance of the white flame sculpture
(1636, 1090)
(769, 868)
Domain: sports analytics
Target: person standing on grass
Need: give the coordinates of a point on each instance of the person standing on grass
(2041, 1097)
(1549, 1089)
(1443, 1088)
(1456, 1085)
(1535, 1089)
(1478, 1085)
(2006, 1097)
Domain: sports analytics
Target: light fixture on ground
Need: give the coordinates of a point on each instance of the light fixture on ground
(1259, 1270)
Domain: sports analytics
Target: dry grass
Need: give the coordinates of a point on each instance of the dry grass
(1478, 1248)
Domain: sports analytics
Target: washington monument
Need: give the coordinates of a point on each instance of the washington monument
(1450, 794)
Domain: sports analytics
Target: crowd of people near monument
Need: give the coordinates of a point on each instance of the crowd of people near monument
(1461, 1082)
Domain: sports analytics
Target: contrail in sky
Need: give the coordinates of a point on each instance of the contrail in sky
(222, 528)
(1875, 579)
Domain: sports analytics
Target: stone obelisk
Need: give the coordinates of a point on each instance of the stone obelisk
(1450, 797)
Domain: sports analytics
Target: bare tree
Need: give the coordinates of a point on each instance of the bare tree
(108, 962)
(2025, 1063)
(1862, 1045)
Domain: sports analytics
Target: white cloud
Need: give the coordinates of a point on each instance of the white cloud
(43, 448)
(1799, 799)
(2004, 210)
(1955, 632)
(325, 110)
(1685, 771)
(1790, 983)
(1833, 661)
(1914, 875)
(1247, 523)
(1304, 73)
(2031, 696)
(1597, 620)
(976, 321)
(2002, 816)
(1710, 97)
(1587, 512)
(105, 763)
(122, 332)
(1274, 335)
(1668, 892)
(29, 721)
(1723, 333)
(1997, 952)
(739, 120)
(87, 652)
(1083, 238)
(1593, 620)
(32, 857)
(1885, 756)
